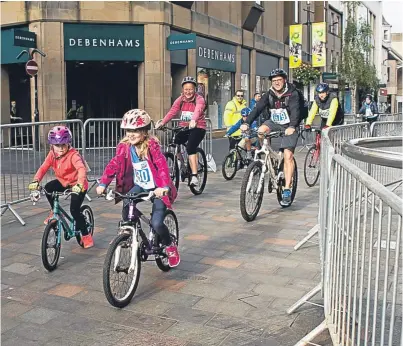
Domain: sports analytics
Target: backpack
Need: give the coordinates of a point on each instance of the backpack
(303, 104)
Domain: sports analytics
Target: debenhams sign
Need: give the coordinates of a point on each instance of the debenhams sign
(215, 55)
(99, 42)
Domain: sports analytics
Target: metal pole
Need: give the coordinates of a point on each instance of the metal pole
(309, 44)
(36, 113)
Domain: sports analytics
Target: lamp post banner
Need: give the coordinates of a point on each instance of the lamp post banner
(319, 44)
(295, 52)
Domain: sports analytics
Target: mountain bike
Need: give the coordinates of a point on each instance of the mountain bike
(178, 163)
(266, 160)
(61, 222)
(122, 265)
(312, 160)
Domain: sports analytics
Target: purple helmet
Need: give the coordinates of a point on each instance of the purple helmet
(59, 135)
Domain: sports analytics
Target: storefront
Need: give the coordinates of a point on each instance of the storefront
(265, 63)
(245, 71)
(216, 66)
(102, 71)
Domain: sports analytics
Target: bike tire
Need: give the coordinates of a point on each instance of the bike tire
(230, 158)
(254, 168)
(110, 296)
(308, 160)
(174, 232)
(50, 265)
(89, 219)
(281, 184)
(200, 190)
(172, 162)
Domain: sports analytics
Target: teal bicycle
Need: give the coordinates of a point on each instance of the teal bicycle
(61, 223)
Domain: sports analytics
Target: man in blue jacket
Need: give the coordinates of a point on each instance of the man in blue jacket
(369, 110)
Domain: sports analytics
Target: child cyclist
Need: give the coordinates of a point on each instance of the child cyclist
(71, 173)
(139, 166)
(249, 138)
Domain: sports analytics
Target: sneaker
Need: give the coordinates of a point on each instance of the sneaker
(50, 216)
(286, 197)
(87, 241)
(173, 255)
(194, 181)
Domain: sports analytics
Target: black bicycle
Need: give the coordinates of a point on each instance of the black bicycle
(178, 162)
(122, 265)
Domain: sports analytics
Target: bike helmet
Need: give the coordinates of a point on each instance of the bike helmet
(245, 112)
(189, 79)
(136, 119)
(60, 135)
(322, 87)
(278, 72)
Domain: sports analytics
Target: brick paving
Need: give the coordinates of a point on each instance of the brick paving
(233, 286)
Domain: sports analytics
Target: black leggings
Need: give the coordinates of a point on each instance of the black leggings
(193, 137)
(75, 204)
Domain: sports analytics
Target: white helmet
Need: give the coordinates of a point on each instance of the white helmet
(136, 119)
(189, 79)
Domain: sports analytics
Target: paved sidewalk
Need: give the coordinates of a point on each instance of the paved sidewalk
(233, 285)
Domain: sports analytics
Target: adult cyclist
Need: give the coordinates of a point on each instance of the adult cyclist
(190, 106)
(327, 105)
(282, 102)
(369, 109)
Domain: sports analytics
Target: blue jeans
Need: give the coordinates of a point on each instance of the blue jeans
(157, 218)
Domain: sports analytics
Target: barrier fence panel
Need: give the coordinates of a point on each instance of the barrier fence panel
(23, 150)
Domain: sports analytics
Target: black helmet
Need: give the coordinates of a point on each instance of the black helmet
(322, 87)
(189, 79)
(278, 72)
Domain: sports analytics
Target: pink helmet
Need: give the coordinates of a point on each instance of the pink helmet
(60, 135)
(136, 119)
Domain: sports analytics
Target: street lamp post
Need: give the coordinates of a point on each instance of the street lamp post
(308, 24)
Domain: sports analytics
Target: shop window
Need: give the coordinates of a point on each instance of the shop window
(245, 86)
(262, 84)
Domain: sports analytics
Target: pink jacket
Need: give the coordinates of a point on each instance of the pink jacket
(121, 167)
(195, 105)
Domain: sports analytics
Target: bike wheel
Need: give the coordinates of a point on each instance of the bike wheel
(89, 221)
(173, 168)
(251, 191)
(281, 184)
(49, 242)
(312, 167)
(120, 284)
(230, 165)
(171, 222)
(201, 172)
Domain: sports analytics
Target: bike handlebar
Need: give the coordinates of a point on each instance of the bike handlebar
(145, 196)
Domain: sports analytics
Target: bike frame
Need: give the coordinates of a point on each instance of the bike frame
(317, 145)
(64, 220)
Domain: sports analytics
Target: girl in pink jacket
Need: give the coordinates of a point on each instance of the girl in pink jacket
(190, 107)
(139, 166)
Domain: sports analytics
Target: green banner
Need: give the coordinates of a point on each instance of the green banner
(9, 52)
(97, 42)
(181, 41)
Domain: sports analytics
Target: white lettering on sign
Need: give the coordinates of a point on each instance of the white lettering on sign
(182, 41)
(95, 42)
(216, 55)
(80, 42)
(119, 43)
(25, 38)
(72, 42)
(87, 42)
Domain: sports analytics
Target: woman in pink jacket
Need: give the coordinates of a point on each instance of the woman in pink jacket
(139, 166)
(190, 106)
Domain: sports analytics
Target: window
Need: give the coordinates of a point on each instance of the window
(385, 35)
(336, 28)
(388, 74)
(332, 23)
(337, 62)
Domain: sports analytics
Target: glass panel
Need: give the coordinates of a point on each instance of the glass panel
(245, 86)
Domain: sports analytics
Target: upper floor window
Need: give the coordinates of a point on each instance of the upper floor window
(386, 35)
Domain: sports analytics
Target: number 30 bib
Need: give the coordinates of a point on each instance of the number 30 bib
(280, 116)
(143, 176)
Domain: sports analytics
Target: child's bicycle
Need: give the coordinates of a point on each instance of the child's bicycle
(122, 265)
(61, 222)
(266, 160)
(178, 163)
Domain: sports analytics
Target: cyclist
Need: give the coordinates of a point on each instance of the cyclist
(283, 104)
(139, 166)
(232, 115)
(328, 107)
(191, 107)
(369, 109)
(70, 171)
(248, 138)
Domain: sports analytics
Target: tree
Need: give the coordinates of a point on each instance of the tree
(355, 65)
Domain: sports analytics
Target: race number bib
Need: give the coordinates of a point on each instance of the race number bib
(143, 176)
(186, 116)
(280, 116)
(324, 113)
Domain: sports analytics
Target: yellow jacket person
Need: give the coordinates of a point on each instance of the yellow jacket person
(232, 112)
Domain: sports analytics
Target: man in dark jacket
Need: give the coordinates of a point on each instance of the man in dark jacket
(282, 102)
(369, 110)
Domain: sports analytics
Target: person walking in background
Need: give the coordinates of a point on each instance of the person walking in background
(232, 115)
(256, 99)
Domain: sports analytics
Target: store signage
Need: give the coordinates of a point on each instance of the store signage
(24, 38)
(383, 92)
(329, 75)
(109, 42)
(181, 41)
(215, 55)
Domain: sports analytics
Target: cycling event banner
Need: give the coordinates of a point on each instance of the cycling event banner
(295, 53)
(319, 44)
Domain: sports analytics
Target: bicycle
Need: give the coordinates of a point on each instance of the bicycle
(235, 159)
(312, 160)
(131, 247)
(60, 222)
(252, 189)
(179, 168)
